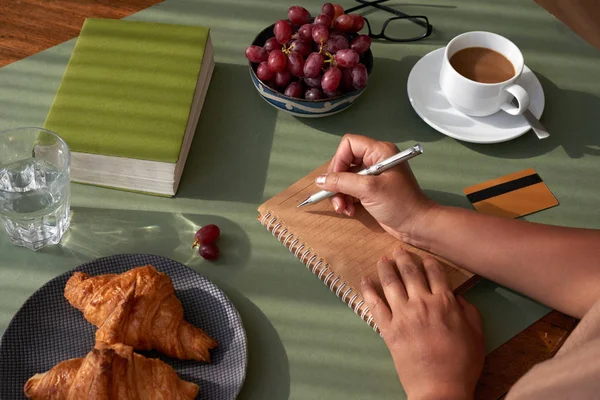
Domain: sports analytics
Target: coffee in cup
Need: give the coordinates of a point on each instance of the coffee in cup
(478, 74)
(482, 65)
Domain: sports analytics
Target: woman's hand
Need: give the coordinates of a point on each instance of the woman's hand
(435, 338)
(394, 198)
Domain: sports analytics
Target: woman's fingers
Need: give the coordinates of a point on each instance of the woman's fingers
(338, 203)
(436, 276)
(379, 310)
(393, 288)
(359, 186)
(412, 275)
(356, 150)
(350, 208)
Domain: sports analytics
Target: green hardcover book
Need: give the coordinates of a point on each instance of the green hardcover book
(129, 102)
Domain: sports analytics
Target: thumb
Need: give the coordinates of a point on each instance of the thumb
(348, 183)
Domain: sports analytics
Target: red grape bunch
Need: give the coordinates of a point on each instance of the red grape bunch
(313, 58)
(205, 239)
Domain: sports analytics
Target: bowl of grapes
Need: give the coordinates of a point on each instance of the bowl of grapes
(311, 66)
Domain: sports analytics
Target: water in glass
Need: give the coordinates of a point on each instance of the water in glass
(34, 197)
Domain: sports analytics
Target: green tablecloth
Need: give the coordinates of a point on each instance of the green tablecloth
(303, 342)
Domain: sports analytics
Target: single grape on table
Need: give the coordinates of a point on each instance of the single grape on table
(207, 234)
(209, 251)
(313, 58)
(205, 239)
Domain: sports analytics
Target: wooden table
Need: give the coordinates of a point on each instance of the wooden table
(28, 27)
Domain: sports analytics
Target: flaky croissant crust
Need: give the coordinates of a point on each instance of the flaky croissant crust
(110, 373)
(155, 317)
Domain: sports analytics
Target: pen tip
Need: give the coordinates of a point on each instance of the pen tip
(305, 202)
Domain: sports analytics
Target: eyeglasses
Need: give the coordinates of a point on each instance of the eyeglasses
(401, 28)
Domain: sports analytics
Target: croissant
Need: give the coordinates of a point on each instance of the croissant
(155, 317)
(108, 373)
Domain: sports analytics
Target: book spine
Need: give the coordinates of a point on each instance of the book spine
(319, 267)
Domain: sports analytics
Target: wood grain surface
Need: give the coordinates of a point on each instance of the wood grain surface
(582, 16)
(30, 26)
(505, 365)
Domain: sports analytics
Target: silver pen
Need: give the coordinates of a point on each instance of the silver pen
(375, 169)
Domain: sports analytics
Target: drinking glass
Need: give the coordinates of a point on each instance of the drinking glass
(34, 186)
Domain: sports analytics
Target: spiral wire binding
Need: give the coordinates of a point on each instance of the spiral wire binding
(317, 266)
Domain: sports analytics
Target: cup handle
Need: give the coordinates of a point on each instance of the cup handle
(522, 98)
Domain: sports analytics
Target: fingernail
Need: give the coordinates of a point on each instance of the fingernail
(350, 209)
(383, 259)
(365, 281)
(321, 179)
(337, 204)
(399, 252)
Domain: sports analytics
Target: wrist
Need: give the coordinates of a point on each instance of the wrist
(422, 232)
(444, 392)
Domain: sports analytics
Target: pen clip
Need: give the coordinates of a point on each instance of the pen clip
(379, 166)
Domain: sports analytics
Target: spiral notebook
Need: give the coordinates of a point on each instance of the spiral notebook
(339, 250)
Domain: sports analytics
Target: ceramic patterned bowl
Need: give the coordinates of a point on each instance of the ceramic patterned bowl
(302, 107)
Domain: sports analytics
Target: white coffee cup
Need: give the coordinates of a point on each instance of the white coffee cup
(480, 99)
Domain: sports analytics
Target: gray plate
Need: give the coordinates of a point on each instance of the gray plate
(47, 330)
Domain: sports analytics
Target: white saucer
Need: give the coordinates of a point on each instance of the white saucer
(431, 105)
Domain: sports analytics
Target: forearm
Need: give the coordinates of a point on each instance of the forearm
(557, 266)
(441, 391)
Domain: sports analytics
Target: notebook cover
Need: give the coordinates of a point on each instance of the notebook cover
(128, 88)
(340, 250)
